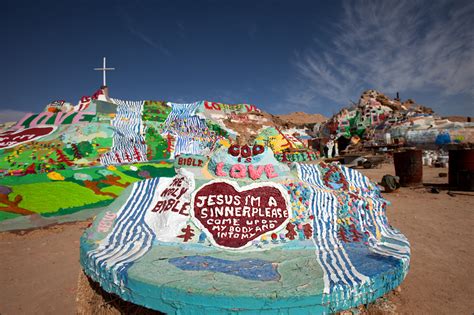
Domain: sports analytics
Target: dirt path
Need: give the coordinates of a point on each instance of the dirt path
(39, 270)
(440, 230)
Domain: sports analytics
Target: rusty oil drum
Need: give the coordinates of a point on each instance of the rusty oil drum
(461, 169)
(409, 167)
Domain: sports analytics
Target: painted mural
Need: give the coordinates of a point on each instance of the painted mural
(93, 150)
(378, 120)
(242, 232)
(202, 207)
(90, 152)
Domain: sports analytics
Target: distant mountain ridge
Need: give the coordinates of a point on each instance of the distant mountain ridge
(302, 118)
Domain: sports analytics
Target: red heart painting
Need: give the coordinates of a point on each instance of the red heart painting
(10, 139)
(233, 217)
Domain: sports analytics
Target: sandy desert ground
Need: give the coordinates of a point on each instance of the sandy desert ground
(39, 269)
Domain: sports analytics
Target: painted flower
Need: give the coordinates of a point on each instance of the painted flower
(111, 168)
(82, 176)
(55, 176)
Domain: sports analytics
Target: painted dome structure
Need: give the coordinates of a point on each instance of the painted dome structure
(240, 232)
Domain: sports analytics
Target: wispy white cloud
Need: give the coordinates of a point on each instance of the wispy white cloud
(10, 115)
(135, 30)
(391, 46)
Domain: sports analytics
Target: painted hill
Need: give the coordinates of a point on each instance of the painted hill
(379, 120)
(84, 155)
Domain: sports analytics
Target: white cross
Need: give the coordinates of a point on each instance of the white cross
(104, 69)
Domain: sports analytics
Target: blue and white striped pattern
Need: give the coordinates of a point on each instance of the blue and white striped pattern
(188, 145)
(338, 268)
(182, 111)
(128, 142)
(186, 126)
(356, 179)
(393, 242)
(353, 177)
(311, 174)
(339, 271)
(130, 238)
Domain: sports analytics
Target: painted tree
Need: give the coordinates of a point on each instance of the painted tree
(356, 235)
(76, 152)
(95, 188)
(114, 181)
(290, 227)
(136, 154)
(149, 153)
(308, 231)
(156, 144)
(85, 147)
(216, 129)
(127, 157)
(63, 158)
(110, 180)
(341, 234)
(11, 206)
(117, 157)
(188, 233)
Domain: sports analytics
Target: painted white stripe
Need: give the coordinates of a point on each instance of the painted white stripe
(124, 230)
(331, 253)
(128, 143)
(121, 214)
(108, 247)
(130, 238)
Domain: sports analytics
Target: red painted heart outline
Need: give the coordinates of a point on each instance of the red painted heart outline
(45, 131)
(240, 190)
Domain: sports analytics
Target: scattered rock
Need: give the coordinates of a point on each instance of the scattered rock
(382, 306)
(390, 183)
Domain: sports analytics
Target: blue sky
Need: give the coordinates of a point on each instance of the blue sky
(283, 56)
